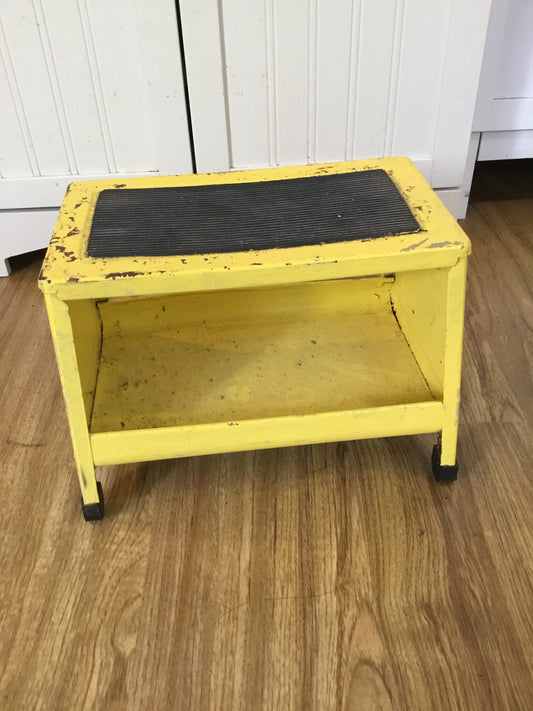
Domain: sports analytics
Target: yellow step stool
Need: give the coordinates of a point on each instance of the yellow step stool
(224, 312)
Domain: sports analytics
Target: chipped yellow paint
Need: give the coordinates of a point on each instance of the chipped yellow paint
(191, 440)
(63, 335)
(429, 306)
(70, 273)
(455, 309)
(173, 356)
(419, 300)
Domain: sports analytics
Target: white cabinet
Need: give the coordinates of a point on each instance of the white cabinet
(504, 110)
(87, 89)
(276, 83)
(95, 88)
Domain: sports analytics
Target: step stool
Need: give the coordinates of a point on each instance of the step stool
(201, 314)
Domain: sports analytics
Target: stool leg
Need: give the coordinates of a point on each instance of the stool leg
(62, 332)
(441, 471)
(444, 462)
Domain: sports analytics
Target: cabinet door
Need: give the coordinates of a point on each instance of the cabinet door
(273, 82)
(504, 110)
(88, 89)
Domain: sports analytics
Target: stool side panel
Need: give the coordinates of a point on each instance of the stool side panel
(86, 327)
(419, 299)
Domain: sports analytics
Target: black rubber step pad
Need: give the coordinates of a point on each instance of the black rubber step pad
(237, 217)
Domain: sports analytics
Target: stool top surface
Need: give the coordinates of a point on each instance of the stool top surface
(248, 228)
(238, 217)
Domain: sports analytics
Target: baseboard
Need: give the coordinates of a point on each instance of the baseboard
(503, 145)
(24, 231)
(455, 200)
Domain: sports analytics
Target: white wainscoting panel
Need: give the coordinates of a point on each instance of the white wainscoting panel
(505, 99)
(325, 80)
(88, 89)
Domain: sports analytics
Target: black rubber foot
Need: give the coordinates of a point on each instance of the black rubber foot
(94, 512)
(442, 473)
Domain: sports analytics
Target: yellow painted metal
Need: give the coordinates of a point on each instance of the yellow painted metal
(87, 334)
(170, 442)
(173, 356)
(240, 355)
(420, 302)
(429, 306)
(455, 309)
(68, 271)
(63, 335)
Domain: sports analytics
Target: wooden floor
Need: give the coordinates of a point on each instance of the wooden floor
(327, 577)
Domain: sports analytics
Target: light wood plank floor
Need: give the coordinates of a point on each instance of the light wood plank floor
(327, 577)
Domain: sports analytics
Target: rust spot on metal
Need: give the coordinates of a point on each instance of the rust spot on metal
(414, 246)
(77, 205)
(73, 231)
(115, 275)
(120, 185)
(70, 255)
(184, 261)
(73, 279)
(233, 424)
(71, 219)
(257, 264)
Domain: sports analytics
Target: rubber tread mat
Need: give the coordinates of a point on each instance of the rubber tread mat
(237, 217)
